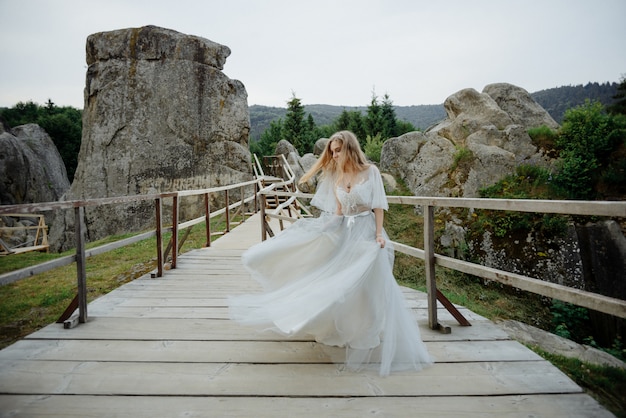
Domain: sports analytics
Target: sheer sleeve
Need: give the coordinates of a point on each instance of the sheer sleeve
(379, 197)
(324, 198)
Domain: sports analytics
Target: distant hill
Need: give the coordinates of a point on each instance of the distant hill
(555, 100)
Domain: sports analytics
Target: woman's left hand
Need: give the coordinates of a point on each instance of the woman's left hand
(381, 241)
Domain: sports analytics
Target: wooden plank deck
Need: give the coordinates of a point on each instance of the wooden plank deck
(165, 348)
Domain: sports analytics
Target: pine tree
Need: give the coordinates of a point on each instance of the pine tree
(389, 121)
(352, 121)
(373, 119)
(295, 127)
(266, 145)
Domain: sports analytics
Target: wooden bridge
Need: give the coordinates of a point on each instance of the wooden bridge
(164, 347)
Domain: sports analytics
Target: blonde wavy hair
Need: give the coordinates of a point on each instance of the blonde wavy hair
(352, 159)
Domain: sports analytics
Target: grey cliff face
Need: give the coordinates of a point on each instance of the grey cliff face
(159, 115)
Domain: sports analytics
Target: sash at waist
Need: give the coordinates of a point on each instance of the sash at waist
(351, 218)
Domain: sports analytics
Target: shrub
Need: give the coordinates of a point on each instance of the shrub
(570, 321)
(373, 147)
(543, 137)
(587, 138)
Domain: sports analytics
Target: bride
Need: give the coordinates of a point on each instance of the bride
(331, 277)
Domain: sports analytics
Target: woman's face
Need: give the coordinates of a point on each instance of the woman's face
(335, 149)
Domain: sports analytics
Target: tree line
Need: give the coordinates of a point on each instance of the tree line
(378, 124)
(558, 100)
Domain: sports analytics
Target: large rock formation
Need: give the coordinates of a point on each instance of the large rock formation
(159, 115)
(483, 138)
(31, 171)
(31, 168)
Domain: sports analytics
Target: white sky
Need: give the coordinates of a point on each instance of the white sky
(334, 52)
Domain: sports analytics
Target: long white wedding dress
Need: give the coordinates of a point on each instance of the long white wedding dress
(328, 278)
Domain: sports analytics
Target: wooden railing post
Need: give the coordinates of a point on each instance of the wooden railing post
(429, 260)
(256, 197)
(159, 236)
(227, 211)
(175, 208)
(81, 270)
(263, 230)
(207, 219)
(242, 206)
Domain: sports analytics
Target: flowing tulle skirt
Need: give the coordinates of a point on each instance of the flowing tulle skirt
(327, 278)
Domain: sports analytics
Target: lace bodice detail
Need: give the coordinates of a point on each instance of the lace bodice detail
(367, 193)
(356, 200)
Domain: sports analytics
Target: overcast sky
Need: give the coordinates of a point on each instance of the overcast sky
(330, 51)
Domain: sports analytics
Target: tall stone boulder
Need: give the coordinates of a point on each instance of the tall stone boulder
(159, 115)
(483, 139)
(31, 168)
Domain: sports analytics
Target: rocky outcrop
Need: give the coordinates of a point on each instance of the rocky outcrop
(159, 115)
(31, 168)
(320, 144)
(31, 171)
(483, 138)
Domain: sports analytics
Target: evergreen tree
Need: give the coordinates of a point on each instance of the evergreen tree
(619, 106)
(389, 121)
(352, 121)
(310, 135)
(343, 120)
(373, 120)
(295, 127)
(266, 145)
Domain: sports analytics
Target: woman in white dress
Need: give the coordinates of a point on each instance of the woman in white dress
(331, 277)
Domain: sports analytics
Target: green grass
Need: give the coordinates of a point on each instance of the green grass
(32, 303)
(606, 384)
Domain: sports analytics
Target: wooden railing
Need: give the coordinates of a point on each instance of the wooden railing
(281, 169)
(612, 306)
(601, 303)
(81, 254)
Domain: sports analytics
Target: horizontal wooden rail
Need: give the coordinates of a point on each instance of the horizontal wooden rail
(564, 207)
(82, 254)
(69, 259)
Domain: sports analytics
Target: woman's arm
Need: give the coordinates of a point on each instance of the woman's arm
(379, 214)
